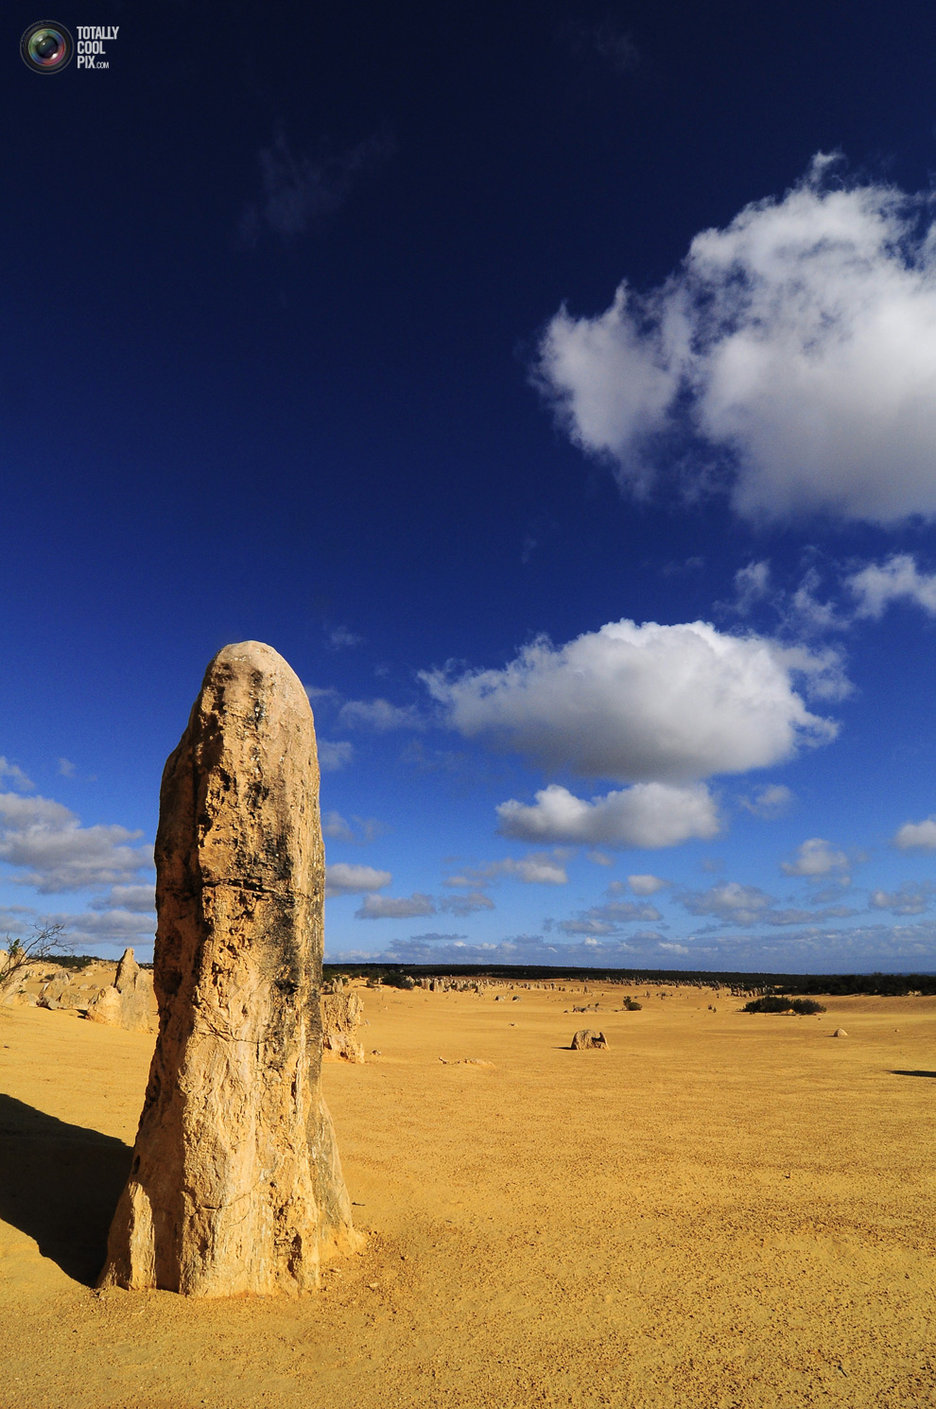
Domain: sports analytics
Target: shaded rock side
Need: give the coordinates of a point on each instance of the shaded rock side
(342, 1015)
(130, 1001)
(586, 1037)
(235, 1183)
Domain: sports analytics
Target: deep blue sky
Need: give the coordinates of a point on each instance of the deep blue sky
(285, 359)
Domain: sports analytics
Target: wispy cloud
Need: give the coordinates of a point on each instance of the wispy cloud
(388, 907)
(299, 190)
(15, 776)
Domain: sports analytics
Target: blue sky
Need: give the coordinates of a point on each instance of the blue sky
(555, 388)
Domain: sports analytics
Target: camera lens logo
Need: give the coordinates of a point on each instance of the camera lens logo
(47, 47)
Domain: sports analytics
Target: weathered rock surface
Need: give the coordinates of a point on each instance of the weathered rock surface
(840, 1032)
(130, 1001)
(342, 1015)
(235, 1184)
(586, 1037)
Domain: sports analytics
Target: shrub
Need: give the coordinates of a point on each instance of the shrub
(807, 1006)
(632, 1005)
(399, 981)
(769, 1004)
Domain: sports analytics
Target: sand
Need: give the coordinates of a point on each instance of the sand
(720, 1210)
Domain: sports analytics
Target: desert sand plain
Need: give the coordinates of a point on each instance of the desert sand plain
(721, 1210)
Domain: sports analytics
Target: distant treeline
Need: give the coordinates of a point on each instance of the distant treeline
(879, 985)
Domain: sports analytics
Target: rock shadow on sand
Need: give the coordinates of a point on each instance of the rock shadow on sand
(914, 1073)
(59, 1184)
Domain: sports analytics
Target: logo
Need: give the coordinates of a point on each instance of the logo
(47, 47)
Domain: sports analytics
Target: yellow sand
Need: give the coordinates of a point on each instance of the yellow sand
(721, 1210)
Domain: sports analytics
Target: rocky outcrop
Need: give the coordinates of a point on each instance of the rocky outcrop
(342, 1015)
(235, 1184)
(130, 1001)
(587, 1038)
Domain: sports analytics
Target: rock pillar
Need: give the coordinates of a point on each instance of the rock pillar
(235, 1184)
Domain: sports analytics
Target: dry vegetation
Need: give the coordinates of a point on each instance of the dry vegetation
(720, 1210)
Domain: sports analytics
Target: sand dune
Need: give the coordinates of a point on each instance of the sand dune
(720, 1210)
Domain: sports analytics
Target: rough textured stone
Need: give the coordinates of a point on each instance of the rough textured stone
(130, 1001)
(235, 1184)
(586, 1037)
(840, 1032)
(342, 1015)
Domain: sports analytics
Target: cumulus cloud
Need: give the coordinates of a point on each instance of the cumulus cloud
(51, 851)
(911, 898)
(608, 919)
(467, 904)
(731, 903)
(898, 579)
(646, 885)
(768, 802)
(815, 857)
(797, 346)
(639, 703)
(344, 879)
(140, 899)
(647, 815)
(917, 834)
(388, 907)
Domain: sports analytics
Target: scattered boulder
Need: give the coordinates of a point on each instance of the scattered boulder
(235, 1184)
(840, 1032)
(130, 1002)
(586, 1038)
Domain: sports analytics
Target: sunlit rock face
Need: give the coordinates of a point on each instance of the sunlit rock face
(235, 1184)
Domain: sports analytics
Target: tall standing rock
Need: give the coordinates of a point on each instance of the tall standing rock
(235, 1184)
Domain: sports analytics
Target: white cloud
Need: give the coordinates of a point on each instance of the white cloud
(537, 869)
(769, 802)
(379, 715)
(334, 755)
(47, 844)
(752, 585)
(731, 903)
(639, 703)
(467, 904)
(815, 857)
(388, 907)
(344, 879)
(358, 830)
(912, 898)
(648, 815)
(16, 776)
(917, 834)
(341, 638)
(798, 344)
(897, 579)
(66, 768)
(646, 885)
(140, 899)
(608, 919)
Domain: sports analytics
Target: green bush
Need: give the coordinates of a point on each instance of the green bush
(769, 1004)
(399, 981)
(773, 1003)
